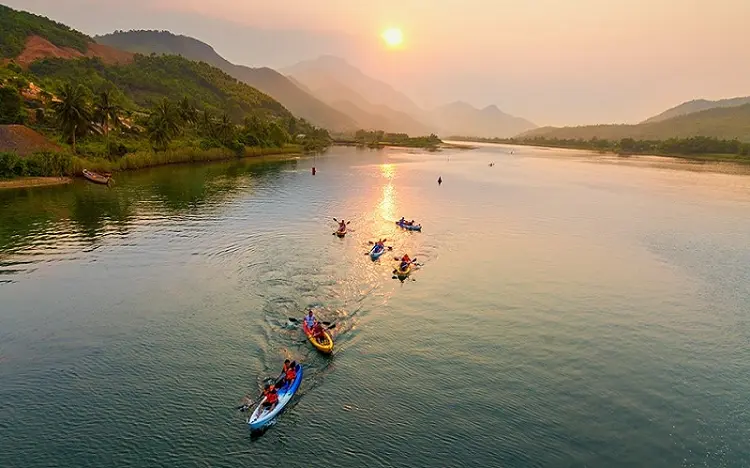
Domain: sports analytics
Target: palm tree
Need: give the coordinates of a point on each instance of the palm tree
(207, 126)
(225, 129)
(188, 112)
(106, 113)
(163, 124)
(72, 111)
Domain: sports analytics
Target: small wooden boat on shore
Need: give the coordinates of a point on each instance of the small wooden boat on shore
(97, 178)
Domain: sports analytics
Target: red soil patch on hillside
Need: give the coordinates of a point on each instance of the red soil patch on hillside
(24, 141)
(38, 48)
(109, 55)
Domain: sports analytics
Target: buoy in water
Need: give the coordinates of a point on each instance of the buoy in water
(440, 180)
(313, 171)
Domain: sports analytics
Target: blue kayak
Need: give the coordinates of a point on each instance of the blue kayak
(263, 416)
(376, 252)
(409, 227)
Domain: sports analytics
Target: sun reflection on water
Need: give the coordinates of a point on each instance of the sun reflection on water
(388, 201)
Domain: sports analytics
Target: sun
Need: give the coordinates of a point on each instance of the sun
(393, 37)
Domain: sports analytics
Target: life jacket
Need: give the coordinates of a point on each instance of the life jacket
(291, 374)
(405, 259)
(310, 321)
(318, 330)
(272, 397)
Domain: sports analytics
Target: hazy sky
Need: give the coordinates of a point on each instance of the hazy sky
(551, 61)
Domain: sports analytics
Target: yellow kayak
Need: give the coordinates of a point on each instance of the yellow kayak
(324, 346)
(403, 273)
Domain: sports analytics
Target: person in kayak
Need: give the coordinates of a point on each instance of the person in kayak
(405, 262)
(282, 376)
(379, 245)
(310, 319)
(402, 220)
(342, 226)
(318, 333)
(291, 373)
(440, 180)
(269, 391)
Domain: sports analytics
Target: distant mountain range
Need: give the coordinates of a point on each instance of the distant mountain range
(697, 106)
(378, 105)
(332, 93)
(720, 122)
(464, 120)
(266, 80)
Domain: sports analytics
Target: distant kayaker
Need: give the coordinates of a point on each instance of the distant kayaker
(310, 319)
(405, 262)
(342, 226)
(440, 180)
(269, 391)
(402, 220)
(380, 243)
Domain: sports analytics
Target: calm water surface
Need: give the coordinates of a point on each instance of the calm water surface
(571, 311)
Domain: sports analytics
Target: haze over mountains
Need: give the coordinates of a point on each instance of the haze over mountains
(332, 93)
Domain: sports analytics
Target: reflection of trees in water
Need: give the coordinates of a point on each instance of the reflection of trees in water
(27, 214)
(94, 207)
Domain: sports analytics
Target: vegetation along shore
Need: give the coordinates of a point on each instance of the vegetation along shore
(696, 148)
(78, 104)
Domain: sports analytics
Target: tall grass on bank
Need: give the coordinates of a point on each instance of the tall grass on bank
(63, 164)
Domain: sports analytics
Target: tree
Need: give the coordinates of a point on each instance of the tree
(163, 125)
(10, 106)
(188, 112)
(277, 136)
(225, 129)
(207, 125)
(106, 113)
(73, 112)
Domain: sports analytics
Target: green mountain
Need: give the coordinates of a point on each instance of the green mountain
(276, 85)
(16, 26)
(149, 79)
(697, 105)
(725, 123)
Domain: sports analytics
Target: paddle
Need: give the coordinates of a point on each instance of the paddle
(246, 406)
(294, 320)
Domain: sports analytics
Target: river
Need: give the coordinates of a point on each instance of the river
(571, 310)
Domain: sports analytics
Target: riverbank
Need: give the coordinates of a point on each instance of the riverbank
(26, 182)
(699, 149)
(60, 168)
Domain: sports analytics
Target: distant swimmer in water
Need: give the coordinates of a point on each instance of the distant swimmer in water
(440, 180)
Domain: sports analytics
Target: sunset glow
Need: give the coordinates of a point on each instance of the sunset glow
(393, 37)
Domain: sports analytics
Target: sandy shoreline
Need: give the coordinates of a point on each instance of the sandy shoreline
(25, 182)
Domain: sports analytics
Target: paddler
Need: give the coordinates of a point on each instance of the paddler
(269, 392)
(342, 226)
(291, 373)
(310, 319)
(318, 333)
(405, 261)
